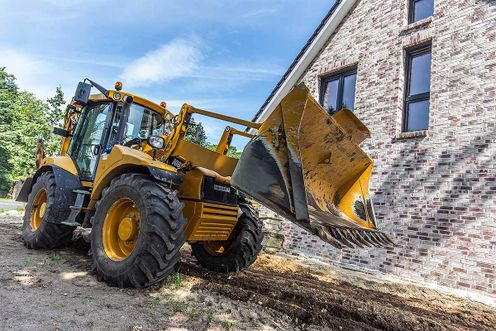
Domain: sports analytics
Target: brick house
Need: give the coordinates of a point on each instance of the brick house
(421, 74)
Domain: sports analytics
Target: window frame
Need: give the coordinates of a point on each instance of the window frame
(341, 74)
(411, 11)
(410, 54)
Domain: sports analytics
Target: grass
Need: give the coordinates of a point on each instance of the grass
(193, 314)
(177, 280)
(53, 258)
(28, 263)
(84, 301)
(2, 210)
(154, 303)
(177, 306)
(60, 305)
(227, 324)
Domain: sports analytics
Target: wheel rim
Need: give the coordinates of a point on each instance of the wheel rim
(38, 210)
(216, 248)
(121, 229)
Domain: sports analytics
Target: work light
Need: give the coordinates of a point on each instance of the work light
(156, 141)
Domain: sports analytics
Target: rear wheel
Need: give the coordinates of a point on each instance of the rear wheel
(41, 227)
(236, 253)
(137, 232)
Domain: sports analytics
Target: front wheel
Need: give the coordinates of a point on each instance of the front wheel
(137, 232)
(236, 253)
(42, 217)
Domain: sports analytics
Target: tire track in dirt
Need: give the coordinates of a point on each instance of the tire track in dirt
(309, 300)
(312, 299)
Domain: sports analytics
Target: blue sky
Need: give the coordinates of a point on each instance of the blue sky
(220, 55)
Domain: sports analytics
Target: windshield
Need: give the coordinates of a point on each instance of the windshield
(88, 137)
(141, 123)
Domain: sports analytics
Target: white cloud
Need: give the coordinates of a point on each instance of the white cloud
(260, 12)
(28, 70)
(175, 59)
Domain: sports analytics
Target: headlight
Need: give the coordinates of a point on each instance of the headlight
(117, 96)
(156, 142)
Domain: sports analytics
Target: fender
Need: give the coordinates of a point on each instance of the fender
(166, 176)
(123, 160)
(65, 183)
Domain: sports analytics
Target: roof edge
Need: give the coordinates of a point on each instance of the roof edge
(312, 47)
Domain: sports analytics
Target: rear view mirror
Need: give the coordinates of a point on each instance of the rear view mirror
(61, 132)
(82, 93)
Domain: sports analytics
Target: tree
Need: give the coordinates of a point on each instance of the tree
(23, 120)
(196, 133)
(55, 107)
(29, 124)
(55, 115)
(232, 151)
(8, 93)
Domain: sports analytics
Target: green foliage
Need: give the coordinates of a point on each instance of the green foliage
(53, 258)
(23, 120)
(55, 115)
(55, 112)
(196, 133)
(227, 324)
(155, 301)
(232, 151)
(176, 280)
(8, 93)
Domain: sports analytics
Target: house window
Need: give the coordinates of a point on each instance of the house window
(417, 89)
(338, 91)
(420, 9)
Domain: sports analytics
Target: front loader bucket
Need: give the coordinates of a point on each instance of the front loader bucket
(307, 166)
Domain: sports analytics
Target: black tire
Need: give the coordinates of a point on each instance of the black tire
(160, 236)
(240, 251)
(49, 234)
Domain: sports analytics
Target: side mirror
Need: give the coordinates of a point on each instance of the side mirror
(61, 132)
(82, 93)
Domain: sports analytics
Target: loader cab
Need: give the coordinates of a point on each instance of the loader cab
(98, 128)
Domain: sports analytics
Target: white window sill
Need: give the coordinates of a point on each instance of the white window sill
(422, 23)
(411, 135)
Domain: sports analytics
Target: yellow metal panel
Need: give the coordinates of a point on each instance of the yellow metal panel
(202, 157)
(191, 185)
(64, 162)
(120, 160)
(209, 221)
(141, 101)
(87, 184)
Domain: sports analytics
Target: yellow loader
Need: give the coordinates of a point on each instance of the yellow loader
(127, 178)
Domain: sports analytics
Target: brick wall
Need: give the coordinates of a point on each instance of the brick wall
(435, 194)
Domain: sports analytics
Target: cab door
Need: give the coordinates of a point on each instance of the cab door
(89, 137)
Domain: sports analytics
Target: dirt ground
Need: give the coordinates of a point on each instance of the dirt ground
(55, 290)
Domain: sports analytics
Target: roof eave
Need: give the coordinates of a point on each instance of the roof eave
(336, 15)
